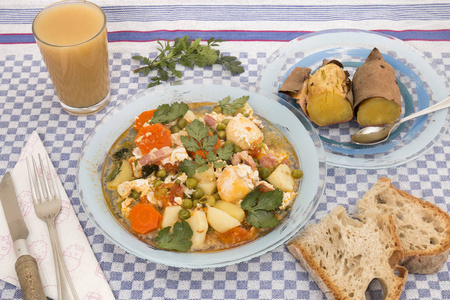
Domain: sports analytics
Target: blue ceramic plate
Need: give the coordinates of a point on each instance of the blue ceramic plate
(284, 116)
(419, 82)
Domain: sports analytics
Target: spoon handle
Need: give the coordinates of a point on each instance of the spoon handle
(438, 106)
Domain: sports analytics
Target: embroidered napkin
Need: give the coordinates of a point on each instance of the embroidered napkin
(83, 267)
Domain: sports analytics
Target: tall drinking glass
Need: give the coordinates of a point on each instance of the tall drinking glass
(72, 38)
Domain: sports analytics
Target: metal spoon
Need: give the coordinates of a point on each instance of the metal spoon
(374, 135)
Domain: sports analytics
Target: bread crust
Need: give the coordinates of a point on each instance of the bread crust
(419, 261)
(392, 281)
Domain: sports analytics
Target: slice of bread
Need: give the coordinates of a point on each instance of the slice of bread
(343, 255)
(423, 228)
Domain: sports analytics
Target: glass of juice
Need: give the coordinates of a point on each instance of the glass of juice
(72, 38)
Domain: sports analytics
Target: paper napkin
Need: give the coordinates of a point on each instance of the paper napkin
(83, 267)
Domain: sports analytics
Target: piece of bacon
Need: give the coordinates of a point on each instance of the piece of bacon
(244, 157)
(155, 156)
(268, 161)
(210, 121)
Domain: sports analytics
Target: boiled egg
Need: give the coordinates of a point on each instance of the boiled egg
(235, 182)
(243, 132)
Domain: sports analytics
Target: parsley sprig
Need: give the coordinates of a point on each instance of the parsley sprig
(166, 113)
(231, 108)
(187, 53)
(178, 240)
(198, 138)
(260, 207)
(116, 159)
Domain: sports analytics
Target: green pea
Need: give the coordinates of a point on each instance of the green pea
(228, 142)
(194, 203)
(184, 214)
(161, 173)
(297, 173)
(237, 149)
(264, 172)
(216, 196)
(174, 129)
(221, 134)
(203, 200)
(181, 123)
(211, 200)
(191, 182)
(187, 203)
(217, 109)
(161, 192)
(198, 193)
(221, 127)
(119, 204)
(225, 121)
(127, 144)
(157, 183)
(135, 195)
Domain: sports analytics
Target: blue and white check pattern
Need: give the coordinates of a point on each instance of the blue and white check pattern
(274, 275)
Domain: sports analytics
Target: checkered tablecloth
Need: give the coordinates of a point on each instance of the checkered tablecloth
(28, 103)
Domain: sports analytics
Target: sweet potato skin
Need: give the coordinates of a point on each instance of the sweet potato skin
(375, 79)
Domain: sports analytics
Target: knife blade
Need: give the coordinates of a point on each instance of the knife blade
(26, 266)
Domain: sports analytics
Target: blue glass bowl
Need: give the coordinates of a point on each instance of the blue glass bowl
(297, 129)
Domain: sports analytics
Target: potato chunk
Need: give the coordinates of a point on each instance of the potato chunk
(207, 181)
(220, 220)
(199, 226)
(282, 179)
(231, 209)
(125, 174)
(170, 216)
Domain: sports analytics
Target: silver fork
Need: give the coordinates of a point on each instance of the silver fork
(47, 204)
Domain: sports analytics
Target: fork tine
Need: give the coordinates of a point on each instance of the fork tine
(40, 189)
(50, 194)
(52, 183)
(31, 177)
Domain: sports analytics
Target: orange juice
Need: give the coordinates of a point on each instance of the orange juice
(72, 38)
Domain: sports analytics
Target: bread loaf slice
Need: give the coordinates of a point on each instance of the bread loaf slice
(423, 228)
(343, 255)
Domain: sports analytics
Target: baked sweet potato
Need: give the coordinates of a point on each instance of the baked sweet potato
(325, 96)
(376, 93)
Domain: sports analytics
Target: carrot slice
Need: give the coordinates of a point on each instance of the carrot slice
(237, 235)
(144, 218)
(142, 119)
(153, 136)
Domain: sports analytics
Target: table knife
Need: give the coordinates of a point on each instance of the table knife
(26, 266)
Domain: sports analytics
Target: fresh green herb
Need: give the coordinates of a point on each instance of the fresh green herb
(199, 139)
(179, 239)
(231, 108)
(116, 159)
(121, 154)
(115, 171)
(260, 207)
(148, 170)
(166, 113)
(187, 53)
